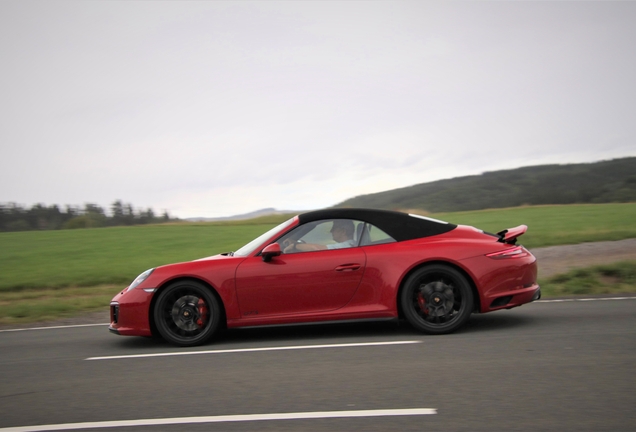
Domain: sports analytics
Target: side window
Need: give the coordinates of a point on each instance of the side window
(319, 233)
(323, 235)
(373, 235)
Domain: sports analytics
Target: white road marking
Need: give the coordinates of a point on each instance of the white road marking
(584, 299)
(54, 327)
(225, 418)
(244, 350)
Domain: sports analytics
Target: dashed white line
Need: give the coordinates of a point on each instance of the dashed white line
(225, 418)
(244, 350)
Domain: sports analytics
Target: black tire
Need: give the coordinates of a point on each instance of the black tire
(187, 313)
(437, 299)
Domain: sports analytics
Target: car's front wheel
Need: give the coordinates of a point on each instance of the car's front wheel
(437, 299)
(187, 313)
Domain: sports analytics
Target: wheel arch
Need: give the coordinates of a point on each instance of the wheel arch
(151, 315)
(471, 283)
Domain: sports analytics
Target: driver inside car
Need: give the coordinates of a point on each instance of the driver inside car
(341, 231)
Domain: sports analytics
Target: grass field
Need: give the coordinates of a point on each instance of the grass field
(556, 225)
(32, 305)
(78, 270)
(85, 257)
(617, 278)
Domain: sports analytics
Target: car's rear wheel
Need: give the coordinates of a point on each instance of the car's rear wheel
(437, 299)
(187, 313)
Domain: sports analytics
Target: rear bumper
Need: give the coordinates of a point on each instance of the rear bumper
(512, 299)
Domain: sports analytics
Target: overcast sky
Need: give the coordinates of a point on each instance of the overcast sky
(219, 108)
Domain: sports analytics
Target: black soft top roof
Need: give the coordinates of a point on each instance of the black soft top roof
(398, 225)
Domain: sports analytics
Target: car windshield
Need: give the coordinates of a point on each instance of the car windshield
(249, 248)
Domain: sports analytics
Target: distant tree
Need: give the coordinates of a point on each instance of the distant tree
(18, 225)
(14, 217)
(94, 209)
(71, 211)
(146, 217)
(44, 218)
(77, 222)
(93, 216)
(117, 211)
(129, 215)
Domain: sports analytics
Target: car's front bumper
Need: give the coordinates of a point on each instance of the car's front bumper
(129, 313)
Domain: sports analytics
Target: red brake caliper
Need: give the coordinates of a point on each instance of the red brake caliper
(203, 313)
(422, 303)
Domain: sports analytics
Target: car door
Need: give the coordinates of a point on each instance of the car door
(299, 283)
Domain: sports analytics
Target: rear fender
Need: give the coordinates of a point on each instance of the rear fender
(469, 278)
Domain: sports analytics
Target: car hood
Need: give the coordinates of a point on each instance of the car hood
(215, 257)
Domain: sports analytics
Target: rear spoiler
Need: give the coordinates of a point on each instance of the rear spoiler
(509, 236)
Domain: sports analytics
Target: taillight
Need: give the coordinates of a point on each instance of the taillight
(515, 252)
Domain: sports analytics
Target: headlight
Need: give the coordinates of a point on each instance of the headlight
(139, 279)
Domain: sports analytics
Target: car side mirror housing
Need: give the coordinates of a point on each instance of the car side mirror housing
(271, 251)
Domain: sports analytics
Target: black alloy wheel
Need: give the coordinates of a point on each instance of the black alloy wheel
(187, 313)
(437, 299)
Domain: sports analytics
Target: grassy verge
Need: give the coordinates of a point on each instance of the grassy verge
(617, 278)
(33, 305)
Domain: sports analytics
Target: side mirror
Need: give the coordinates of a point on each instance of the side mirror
(271, 251)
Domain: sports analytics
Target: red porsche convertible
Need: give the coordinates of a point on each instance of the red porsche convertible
(333, 265)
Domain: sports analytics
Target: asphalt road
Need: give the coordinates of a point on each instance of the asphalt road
(544, 366)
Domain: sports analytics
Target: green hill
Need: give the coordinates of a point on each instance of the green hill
(599, 182)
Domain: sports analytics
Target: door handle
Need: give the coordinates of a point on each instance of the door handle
(347, 267)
